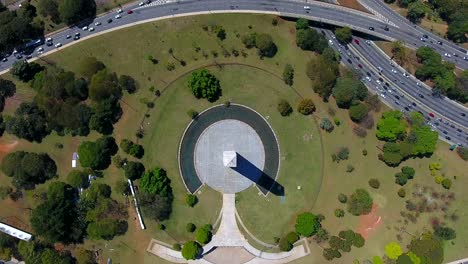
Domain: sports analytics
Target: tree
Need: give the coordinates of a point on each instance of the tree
(360, 202)
(203, 235)
(408, 171)
(127, 83)
(342, 198)
(399, 52)
(416, 11)
(401, 178)
(343, 35)
(89, 66)
(307, 224)
(326, 125)
(445, 233)
(7, 88)
(29, 122)
(358, 112)
(104, 86)
(331, 253)
(284, 108)
(447, 183)
(288, 74)
(72, 11)
(121, 187)
(134, 170)
(106, 229)
(265, 45)
(393, 250)
(306, 106)
(49, 8)
(25, 71)
(57, 219)
(428, 248)
(374, 183)
(155, 181)
(28, 169)
(391, 126)
(323, 73)
(302, 23)
(52, 256)
(97, 155)
(155, 206)
(191, 200)
(190, 227)
(77, 179)
(191, 250)
(347, 90)
(205, 85)
(458, 28)
(106, 113)
(309, 39)
(339, 212)
(84, 256)
(249, 40)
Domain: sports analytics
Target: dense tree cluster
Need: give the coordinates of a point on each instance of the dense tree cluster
(306, 106)
(28, 169)
(7, 89)
(134, 170)
(309, 39)
(428, 248)
(263, 42)
(307, 224)
(419, 141)
(132, 148)
(67, 11)
(323, 72)
(349, 90)
(156, 194)
(407, 173)
(342, 242)
(442, 74)
(360, 202)
(191, 250)
(343, 35)
(204, 85)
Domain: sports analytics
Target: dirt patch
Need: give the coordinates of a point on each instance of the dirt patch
(7, 148)
(369, 223)
(354, 4)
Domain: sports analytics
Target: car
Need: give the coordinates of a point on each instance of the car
(130, 12)
(390, 90)
(425, 36)
(439, 42)
(58, 45)
(368, 74)
(29, 56)
(394, 71)
(387, 84)
(118, 16)
(368, 78)
(380, 69)
(85, 28)
(68, 36)
(141, 4)
(397, 103)
(422, 39)
(119, 11)
(418, 84)
(306, 7)
(397, 97)
(386, 28)
(463, 114)
(19, 56)
(406, 108)
(49, 39)
(330, 42)
(76, 37)
(40, 49)
(421, 95)
(97, 24)
(447, 55)
(91, 29)
(445, 132)
(452, 125)
(49, 43)
(447, 138)
(459, 130)
(431, 115)
(436, 123)
(368, 42)
(371, 28)
(356, 41)
(465, 58)
(109, 20)
(382, 95)
(360, 66)
(349, 61)
(4, 59)
(413, 103)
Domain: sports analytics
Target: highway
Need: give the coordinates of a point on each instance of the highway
(449, 112)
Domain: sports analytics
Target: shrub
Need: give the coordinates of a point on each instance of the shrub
(447, 183)
(342, 198)
(190, 227)
(161, 226)
(364, 152)
(393, 250)
(360, 131)
(288, 74)
(349, 168)
(191, 200)
(205, 85)
(337, 121)
(462, 152)
(401, 178)
(358, 112)
(190, 250)
(326, 125)
(446, 233)
(292, 237)
(307, 224)
(408, 171)
(339, 213)
(374, 183)
(284, 108)
(203, 235)
(331, 253)
(208, 227)
(192, 114)
(306, 106)
(176, 247)
(438, 179)
(343, 153)
(360, 202)
(284, 245)
(5, 191)
(402, 192)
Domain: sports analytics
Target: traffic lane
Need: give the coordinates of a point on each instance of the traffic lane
(405, 83)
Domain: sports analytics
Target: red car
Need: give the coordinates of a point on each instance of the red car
(431, 115)
(360, 66)
(130, 12)
(356, 41)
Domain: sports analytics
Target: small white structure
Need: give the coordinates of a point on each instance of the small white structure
(230, 159)
(74, 159)
(15, 232)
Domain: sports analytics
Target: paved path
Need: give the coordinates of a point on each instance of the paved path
(230, 242)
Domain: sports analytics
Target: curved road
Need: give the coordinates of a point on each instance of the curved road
(453, 113)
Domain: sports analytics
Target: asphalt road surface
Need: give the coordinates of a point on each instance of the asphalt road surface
(448, 115)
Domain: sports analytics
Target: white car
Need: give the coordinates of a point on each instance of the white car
(119, 11)
(383, 95)
(447, 55)
(368, 42)
(306, 7)
(141, 4)
(49, 39)
(418, 84)
(97, 24)
(118, 16)
(40, 49)
(91, 29)
(330, 42)
(58, 45)
(85, 28)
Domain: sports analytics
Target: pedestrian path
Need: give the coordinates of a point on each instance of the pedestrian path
(230, 241)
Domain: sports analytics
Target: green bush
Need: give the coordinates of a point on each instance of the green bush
(408, 171)
(364, 152)
(401, 178)
(339, 213)
(360, 202)
(349, 168)
(190, 250)
(192, 114)
(307, 224)
(203, 235)
(446, 233)
(190, 227)
(284, 245)
(205, 85)
(402, 192)
(292, 237)
(343, 153)
(337, 121)
(176, 247)
(326, 125)
(342, 198)
(191, 200)
(374, 183)
(284, 108)
(161, 226)
(447, 183)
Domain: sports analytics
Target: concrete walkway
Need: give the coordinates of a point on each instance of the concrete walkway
(230, 241)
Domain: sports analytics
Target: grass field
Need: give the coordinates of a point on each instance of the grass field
(259, 88)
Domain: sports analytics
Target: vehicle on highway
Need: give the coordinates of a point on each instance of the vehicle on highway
(40, 49)
(97, 24)
(439, 42)
(447, 55)
(360, 66)
(382, 95)
(421, 95)
(119, 11)
(130, 12)
(85, 28)
(330, 42)
(109, 20)
(49, 39)
(431, 115)
(91, 29)
(368, 42)
(58, 45)
(141, 4)
(371, 28)
(118, 16)
(356, 41)
(68, 36)
(4, 59)
(306, 7)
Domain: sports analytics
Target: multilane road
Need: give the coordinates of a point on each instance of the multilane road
(450, 112)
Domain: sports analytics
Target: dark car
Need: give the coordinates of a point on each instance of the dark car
(445, 132)
(439, 42)
(406, 108)
(413, 103)
(371, 28)
(421, 95)
(360, 66)
(425, 36)
(397, 97)
(130, 12)
(459, 130)
(49, 43)
(109, 20)
(463, 114)
(380, 79)
(349, 61)
(447, 138)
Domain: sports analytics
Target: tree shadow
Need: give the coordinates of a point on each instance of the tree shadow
(253, 173)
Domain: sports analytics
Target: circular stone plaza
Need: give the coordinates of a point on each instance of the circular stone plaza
(229, 148)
